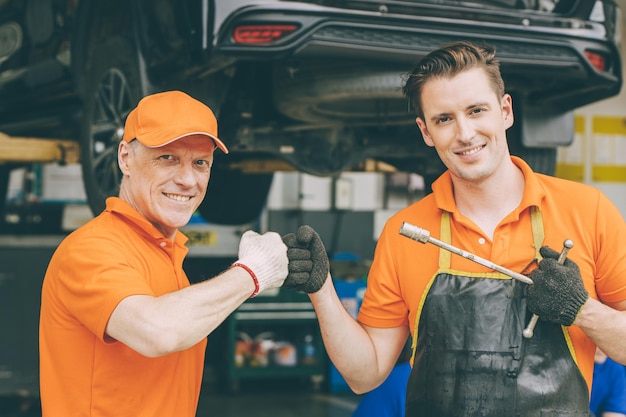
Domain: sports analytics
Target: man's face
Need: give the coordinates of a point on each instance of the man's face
(466, 122)
(166, 184)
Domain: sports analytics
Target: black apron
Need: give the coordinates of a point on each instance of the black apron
(470, 358)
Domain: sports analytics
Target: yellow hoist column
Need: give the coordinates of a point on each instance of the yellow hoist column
(31, 150)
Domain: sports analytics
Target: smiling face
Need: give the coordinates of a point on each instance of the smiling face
(466, 122)
(166, 184)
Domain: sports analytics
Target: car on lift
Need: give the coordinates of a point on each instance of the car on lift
(311, 85)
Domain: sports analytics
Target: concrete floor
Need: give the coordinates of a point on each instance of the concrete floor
(259, 399)
(266, 398)
(277, 404)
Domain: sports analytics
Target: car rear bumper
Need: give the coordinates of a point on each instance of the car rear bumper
(546, 58)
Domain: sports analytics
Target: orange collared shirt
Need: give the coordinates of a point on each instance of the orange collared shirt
(402, 268)
(115, 255)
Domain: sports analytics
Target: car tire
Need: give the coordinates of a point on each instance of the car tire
(111, 91)
(541, 160)
(234, 197)
(5, 173)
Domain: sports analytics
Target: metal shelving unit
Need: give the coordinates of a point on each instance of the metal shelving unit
(274, 336)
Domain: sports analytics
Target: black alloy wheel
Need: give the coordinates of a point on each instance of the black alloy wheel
(112, 91)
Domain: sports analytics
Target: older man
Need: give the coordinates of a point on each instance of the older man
(122, 331)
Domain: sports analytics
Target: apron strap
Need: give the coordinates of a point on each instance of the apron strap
(536, 220)
(445, 236)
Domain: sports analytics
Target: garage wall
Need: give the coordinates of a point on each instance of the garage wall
(598, 154)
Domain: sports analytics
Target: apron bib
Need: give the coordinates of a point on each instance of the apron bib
(470, 358)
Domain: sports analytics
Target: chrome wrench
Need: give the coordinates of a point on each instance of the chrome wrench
(423, 236)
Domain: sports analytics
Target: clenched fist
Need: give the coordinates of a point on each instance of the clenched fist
(308, 260)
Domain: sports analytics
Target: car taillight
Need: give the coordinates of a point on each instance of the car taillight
(262, 33)
(598, 61)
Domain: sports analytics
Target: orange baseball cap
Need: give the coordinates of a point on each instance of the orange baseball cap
(162, 118)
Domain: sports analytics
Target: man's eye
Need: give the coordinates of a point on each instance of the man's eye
(166, 157)
(442, 120)
(203, 164)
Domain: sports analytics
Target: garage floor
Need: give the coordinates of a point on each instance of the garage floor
(277, 405)
(276, 399)
(262, 399)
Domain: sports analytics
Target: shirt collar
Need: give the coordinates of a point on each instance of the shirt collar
(533, 190)
(122, 208)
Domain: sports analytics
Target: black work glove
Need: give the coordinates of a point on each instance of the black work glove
(308, 260)
(557, 294)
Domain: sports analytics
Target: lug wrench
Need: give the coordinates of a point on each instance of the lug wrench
(423, 236)
(530, 329)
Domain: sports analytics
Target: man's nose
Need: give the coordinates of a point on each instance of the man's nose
(185, 175)
(464, 129)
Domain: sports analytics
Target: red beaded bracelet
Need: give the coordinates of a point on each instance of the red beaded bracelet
(254, 278)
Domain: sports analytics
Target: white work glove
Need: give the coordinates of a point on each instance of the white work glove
(265, 258)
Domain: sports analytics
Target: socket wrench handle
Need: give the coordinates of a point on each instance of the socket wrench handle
(423, 236)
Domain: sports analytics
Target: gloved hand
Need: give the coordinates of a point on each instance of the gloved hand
(558, 293)
(265, 258)
(308, 260)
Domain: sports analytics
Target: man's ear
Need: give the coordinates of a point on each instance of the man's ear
(123, 155)
(425, 135)
(507, 111)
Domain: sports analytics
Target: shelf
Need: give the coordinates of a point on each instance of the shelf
(274, 337)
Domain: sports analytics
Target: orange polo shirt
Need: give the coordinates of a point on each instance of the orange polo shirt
(402, 267)
(115, 255)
